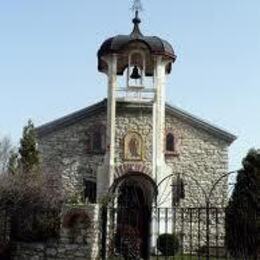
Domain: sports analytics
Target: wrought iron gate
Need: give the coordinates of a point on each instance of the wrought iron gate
(135, 229)
(200, 234)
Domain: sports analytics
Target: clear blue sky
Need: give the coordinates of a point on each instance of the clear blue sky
(48, 64)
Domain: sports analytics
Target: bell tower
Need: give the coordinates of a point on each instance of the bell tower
(136, 67)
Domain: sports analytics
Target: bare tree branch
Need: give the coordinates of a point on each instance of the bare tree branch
(5, 152)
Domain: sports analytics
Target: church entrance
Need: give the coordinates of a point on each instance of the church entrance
(132, 216)
(133, 222)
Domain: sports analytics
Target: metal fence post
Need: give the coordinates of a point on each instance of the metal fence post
(207, 229)
(104, 233)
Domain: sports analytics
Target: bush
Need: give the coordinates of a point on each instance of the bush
(32, 202)
(31, 198)
(168, 244)
(36, 226)
(202, 251)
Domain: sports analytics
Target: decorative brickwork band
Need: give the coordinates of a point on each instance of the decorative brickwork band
(132, 167)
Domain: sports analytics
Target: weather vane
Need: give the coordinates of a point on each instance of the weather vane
(137, 6)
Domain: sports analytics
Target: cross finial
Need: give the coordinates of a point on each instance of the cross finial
(137, 7)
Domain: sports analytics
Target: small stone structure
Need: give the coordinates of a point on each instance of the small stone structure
(77, 242)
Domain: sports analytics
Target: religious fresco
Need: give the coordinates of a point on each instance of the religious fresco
(133, 147)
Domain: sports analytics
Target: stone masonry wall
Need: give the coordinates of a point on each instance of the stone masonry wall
(78, 243)
(200, 155)
(134, 120)
(200, 159)
(64, 152)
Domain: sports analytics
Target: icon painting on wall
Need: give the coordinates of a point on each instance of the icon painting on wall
(133, 147)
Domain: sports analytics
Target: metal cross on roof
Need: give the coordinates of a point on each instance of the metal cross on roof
(137, 6)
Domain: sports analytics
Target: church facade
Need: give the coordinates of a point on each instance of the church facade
(75, 147)
(133, 147)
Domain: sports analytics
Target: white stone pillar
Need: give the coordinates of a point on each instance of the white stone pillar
(154, 140)
(158, 135)
(105, 172)
(111, 117)
(159, 117)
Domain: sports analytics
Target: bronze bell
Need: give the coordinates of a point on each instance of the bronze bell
(135, 73)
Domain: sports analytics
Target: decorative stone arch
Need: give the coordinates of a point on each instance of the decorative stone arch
(146, 177)
(133, 173)
(137, 52)
(133, 194)
(132, 167)
(176, 139)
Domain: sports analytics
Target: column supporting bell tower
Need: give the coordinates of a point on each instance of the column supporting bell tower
(105, 174)
(158, 116)
(136, 66)
(111, 116)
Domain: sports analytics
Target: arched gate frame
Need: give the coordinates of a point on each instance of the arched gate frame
(197, 221)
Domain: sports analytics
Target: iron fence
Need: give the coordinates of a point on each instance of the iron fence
(168, 233)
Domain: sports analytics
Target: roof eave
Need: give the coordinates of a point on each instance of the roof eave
(101, 106)
(202, 124)
(70, 119)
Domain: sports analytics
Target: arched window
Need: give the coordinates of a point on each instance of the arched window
(170, 142)
(136, 69)
(178, 189)
(95, 141)
(88, 143)
(90, 191)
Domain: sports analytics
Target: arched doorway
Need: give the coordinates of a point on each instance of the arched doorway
(135, 193)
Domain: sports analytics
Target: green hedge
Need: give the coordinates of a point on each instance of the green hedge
(168, 244)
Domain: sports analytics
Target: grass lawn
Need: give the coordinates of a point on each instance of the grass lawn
(185, 257)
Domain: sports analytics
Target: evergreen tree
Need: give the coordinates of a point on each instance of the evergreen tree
(241, 214)
(29, 155)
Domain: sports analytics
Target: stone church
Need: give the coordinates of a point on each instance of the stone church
(133, 146)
